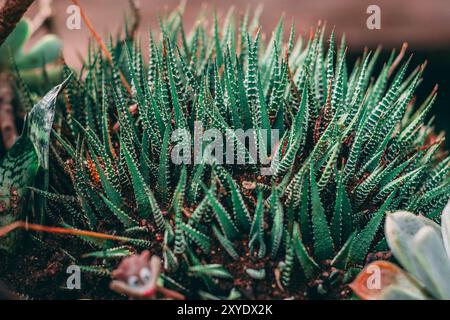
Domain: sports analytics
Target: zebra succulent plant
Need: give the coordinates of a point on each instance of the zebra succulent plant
(422, 247)
(353, 146)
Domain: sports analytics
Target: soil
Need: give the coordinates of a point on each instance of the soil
(38, 271)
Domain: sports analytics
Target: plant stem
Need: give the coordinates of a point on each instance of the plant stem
(4, 230)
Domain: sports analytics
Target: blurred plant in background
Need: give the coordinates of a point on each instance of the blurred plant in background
(35, 70)
(34, 64)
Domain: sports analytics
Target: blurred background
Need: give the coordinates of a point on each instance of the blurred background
(424, 25)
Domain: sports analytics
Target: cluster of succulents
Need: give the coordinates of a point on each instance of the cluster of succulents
(354, 146)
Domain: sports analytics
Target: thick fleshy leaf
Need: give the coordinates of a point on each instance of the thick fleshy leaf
(18, 169)
(309, 266)
(380, 279)
(39, 123)
(432, 262)
(363, 241)
(401, 228)
(323, 244)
